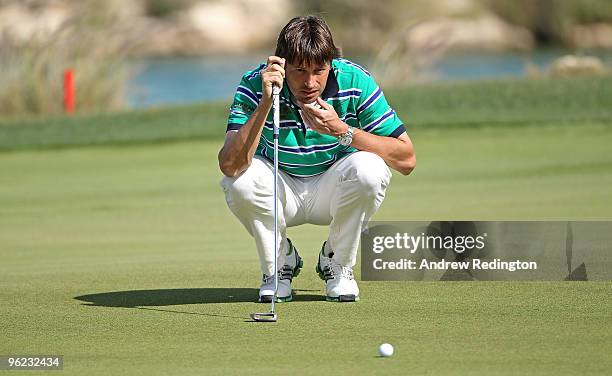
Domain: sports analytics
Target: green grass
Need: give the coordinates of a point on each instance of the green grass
(125, 128)
(126, 260)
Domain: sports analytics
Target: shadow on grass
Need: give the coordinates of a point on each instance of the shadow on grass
(169, 297)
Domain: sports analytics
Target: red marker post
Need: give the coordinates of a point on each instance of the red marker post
(69, 93)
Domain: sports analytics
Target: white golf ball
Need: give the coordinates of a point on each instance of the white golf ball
(386, 349)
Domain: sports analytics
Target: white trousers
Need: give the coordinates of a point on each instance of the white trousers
(344, 197)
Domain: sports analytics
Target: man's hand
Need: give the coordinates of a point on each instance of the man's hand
(324, 120)
(398, 152)
(237, 152)
(274, 74)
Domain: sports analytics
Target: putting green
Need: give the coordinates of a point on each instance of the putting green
(126, 261)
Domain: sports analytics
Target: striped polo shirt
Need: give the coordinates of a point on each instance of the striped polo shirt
(303, 152)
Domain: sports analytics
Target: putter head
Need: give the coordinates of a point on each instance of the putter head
(264, 317)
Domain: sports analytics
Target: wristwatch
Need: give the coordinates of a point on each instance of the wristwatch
(347, 138)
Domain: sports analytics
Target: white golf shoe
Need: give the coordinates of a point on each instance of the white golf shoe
(340, 284)
(293, 264)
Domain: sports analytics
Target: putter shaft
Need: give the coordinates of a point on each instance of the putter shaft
(276, 109)
(271, 316)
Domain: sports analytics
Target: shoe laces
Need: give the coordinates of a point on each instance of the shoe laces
(335, 269)
(283, 273)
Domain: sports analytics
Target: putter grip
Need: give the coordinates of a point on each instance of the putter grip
(276, 108)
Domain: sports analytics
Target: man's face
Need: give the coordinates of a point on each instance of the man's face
(307, 82)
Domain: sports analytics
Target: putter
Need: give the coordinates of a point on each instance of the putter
(272, 316)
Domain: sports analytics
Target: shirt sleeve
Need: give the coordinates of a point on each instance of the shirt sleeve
(374, 113)
(244, 104)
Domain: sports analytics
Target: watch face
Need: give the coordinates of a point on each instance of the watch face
(346, 138)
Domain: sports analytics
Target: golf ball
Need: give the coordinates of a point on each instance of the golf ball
(386, 349)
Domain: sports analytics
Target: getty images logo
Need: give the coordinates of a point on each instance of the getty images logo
(412, 243)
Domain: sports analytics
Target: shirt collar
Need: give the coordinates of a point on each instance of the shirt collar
(331, 87)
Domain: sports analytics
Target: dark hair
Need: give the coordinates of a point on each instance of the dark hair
(307, 40)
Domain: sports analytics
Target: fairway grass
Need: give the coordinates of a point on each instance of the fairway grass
(127, 261)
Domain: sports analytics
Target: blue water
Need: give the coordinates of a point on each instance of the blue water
(164, 81)
(474, 66)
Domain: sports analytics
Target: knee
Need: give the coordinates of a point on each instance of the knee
(249, 186)
(369, 171)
